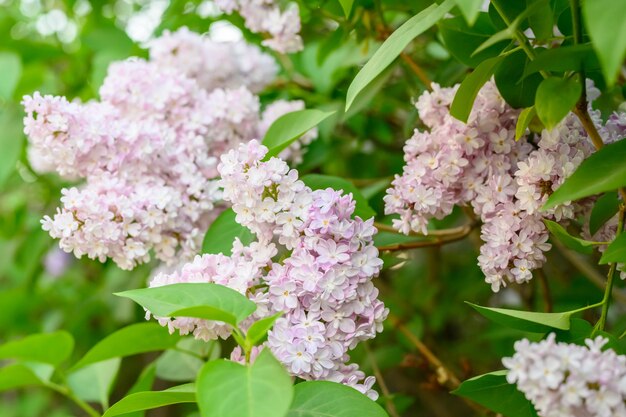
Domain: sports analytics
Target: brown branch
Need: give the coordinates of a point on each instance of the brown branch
(417, 70)
(450, 235)
(389, 404)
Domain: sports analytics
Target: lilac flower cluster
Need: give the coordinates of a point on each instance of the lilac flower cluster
(149, 149)
(563, 380)
(480, 164)
(265, 16)
(322, 283)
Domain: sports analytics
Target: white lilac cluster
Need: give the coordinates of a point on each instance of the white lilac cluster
(565, 380)
(480, 164)
(266, 16)
(148, 150)
(322, 283)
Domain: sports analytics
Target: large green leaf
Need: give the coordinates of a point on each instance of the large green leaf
(95, 382)
(603, 171)
(130, 340)
(494, 392)
(174, 365)
(52, 348)
(222, 233)
(259, 329)
(603, 210)
(616, 251)
(464, 99)
(563, 58)
(462, 41)
(202, 300)
(517, 90)
(470, 9)
(572, 242)
(331, 399)
(229, 389)
(605, 22)
(10, 73)
(17, 376)
(529, 321)
(320, 182)
(555, 98)
(149, 400)
(289, 127)
(394, 45)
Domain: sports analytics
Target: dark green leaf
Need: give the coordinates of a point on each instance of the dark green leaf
(222, 233)
(394, 45)
(616, 251)
(149, 400)
(603, 210)
(52, 348)
(541, 20)
(204, 300)
(464, 99)
(603, 171)
(470, 9)
(518, 91)
(556, 97)
(130, 340)
(346, 5)
(462, 40)
(494, 392)
(320, 182)
(562, 59)
(574, 243)
(331, 399)
(229, 389)
(289, 127)
(529, 321)
(605, 22)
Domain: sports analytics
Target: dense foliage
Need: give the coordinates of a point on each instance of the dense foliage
(312, 208)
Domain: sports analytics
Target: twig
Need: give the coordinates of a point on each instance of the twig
(65, 391)
(545, 287)
(442, 239)
(389, 404)
(417, 70)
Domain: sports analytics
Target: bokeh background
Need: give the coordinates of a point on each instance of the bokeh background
(64, 48)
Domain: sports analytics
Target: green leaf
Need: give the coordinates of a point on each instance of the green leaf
(555, 98)
(149, 400)
(603, 210)
(259, 329)
(518, 91)
(346, 5)
(494, 392)
(461, 40)
(95, 382)
(394, 45)
(529, 321)
(17, 376)
(464, 99)
(52, 348)
(616, 251)
(605, 22)
(222, 233)
(470, 9)
(130, 340)
(603, 171)
(320, 182)
(562, 59)
(289, 127)
(574, 243)
(11, 141)
(331, 399)
(10, 74)
(174, 365)
(207, 301)
(526, 116)
(540, 19)
(229, 389)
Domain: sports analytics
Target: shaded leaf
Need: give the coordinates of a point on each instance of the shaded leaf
(149, 400)
(17, 376)
(526, 116)
(616, 251)
(52, 348)
(221, 234)
(574, 243)
(603, 210)
(466, 94)
(470, 9)
(95, 382)
(556, 97)
(289, 127)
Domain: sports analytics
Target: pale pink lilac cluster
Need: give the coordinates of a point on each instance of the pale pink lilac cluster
(266, 16)
(481, 165)
(565, 380)
(148, 150)
(322, 282)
